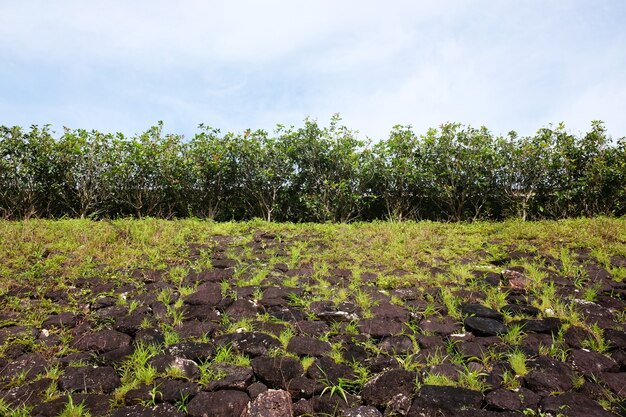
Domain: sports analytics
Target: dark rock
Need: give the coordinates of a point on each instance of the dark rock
(362, 411)
(11, 332)
(130, 324)
(150, 337)
(332, 405)
(276, 372)
(194, 328)
(521, 310)
(249, 343)
(29, 365)
(481, 326)
(448, 370)
(446, 398)
(28, 394)
(207, 293)
(430, 342)
(396, 345)
(236, 377)
(171, 391)
(184, 367)
(399, 405)
(196, 351)
(159, 410)
(615, 338)
(303, 387)
(271, 403)
(115, 357)
(303, 408)
(390, 312)
(381, 363)
(255, 389)
(61, 320)
(479, 310)
(311, 328)
(572, 404)
(440, 325)
(327, 370)
(616, 382)
(591, 363)
(308, 346)
(548, 376)
(201, 312)
(102, 341)
(383, 387)
(505, 400)
(549, 325)
(575, 336)
(95, 404)
(226, 403)
(243, 309)
(89, 379)
(380, 327)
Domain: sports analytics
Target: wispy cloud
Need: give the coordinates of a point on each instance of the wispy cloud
(118, 65)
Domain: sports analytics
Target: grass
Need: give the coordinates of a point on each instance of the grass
(443, 262)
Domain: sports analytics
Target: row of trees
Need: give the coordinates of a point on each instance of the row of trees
(312, 173)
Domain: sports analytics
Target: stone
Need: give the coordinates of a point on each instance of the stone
(312, 327)
(102, 341)
(150, 337)
(243, 308)
(207, 293)
(235, 377)
(362, 411)
(572, 404)
(276, 372)
(194, 328)
(308, 346)
(482, 326)
(249, 343)
(396, 345)
(479, 310)
(255, 389)
(271, 403)
(616, 382)
(549, 325)
(446, 398)
(225, 403)
(303, 387)
(158, 410)
(549, 375)
(380, 327)
(184, 367)
(60, 321)
(89, 379)
(196, 351)
(505, 400)
(442, 326)
(399, 405)
(29, 364)
(95, 404)
(328, 371)
(574, 336)
(591, 363)
(383, 387)
(521, 310)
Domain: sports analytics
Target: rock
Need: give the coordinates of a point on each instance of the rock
(399, 405)
(308, 346)
(255, 389)
(186, 368)
(521, 310)
(89, 379)
(249, 343)
(591, 363)
(195, 351)
(312, 328)
(271, 403)
(549, 325)
(442, 326)
(549, 376)
(303, 387)
(303, 408)
(328, 371)
(383, 387)
(362, 411)
(95, 404)
(573, 404)
(380, 327)
(27, 394)
(172, 390)
(225, 403)
(390, 312)
(61, 320)
(505, 400)
(481, 326)
(236, 377)
(479, 310)
(201, 312)
(130, 324)
(616, 382)
(276, 372)
(446, 398)
(159, 410)
(150, 337)
(243, 309)
(194, 328)
(102, 341)
(515, 279)
(396, 345)
(207, 293)
(615, 338)
(574, 336)
(29, 364)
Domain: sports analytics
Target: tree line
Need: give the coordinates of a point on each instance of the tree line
(312, 173)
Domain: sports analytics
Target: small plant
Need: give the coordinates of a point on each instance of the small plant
(514, 335)
(437, 379)
(596, 340)
(510, 381)
(74, 410)
(472, 379)
(517, 360)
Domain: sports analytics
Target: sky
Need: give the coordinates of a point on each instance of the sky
(120, 65)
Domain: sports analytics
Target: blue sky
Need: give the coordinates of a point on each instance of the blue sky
(123, 65)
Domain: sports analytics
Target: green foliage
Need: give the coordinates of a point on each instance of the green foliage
(312, 173)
